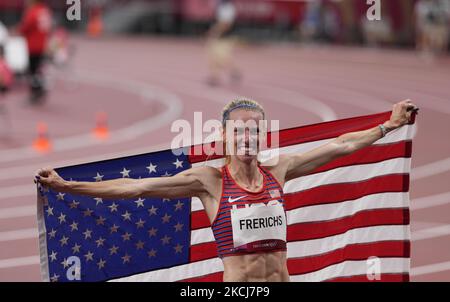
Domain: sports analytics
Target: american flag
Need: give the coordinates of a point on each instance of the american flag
(347, 220)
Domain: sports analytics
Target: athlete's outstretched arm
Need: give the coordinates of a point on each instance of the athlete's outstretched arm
(301, 164)
(185, 184)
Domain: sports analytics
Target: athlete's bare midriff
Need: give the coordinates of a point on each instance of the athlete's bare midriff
(261, 267)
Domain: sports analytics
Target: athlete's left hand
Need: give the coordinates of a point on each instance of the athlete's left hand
(401, 114)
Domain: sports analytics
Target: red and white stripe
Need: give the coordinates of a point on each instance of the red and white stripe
(338, 216)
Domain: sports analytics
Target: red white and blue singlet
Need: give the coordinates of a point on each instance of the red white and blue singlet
(250, 222)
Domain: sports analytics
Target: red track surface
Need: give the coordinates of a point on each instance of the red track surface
(135, 79)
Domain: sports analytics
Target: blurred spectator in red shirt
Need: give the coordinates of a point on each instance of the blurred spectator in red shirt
(35, 27)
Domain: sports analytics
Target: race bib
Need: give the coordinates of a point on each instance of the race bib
(258, 222)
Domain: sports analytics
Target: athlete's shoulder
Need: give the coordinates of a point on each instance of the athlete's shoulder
(210, 178)
(278, 162)
(277, 166)
(207, 172)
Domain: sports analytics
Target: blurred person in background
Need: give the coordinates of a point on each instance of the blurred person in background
(36, 26)
(331, 22)
(311, 26)
(6, 79)
(58, 47)
(220, 45)
(432, 26)
(378, 32)
(3, 34)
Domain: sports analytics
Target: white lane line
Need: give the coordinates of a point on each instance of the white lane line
(171, 101)
(20, 261)
(292, 98)
(430, 201)
(431, 169)
(346, 96)
(434, 232)
(301, 101)
(18, 191)
(14, 235)
(16, 212)
(430, 268)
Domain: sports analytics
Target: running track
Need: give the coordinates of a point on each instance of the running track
(145, 84)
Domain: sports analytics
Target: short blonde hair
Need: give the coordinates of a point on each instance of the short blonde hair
(241, 103)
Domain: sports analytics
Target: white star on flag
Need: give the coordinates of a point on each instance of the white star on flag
(64, 263)
(53, 256)
(178, 248)
(50, 211)
(60, 196)
(114, 228)
(178, 205)
(126, 236)
(113, 207)
(152, 210)
(126, 216)
(151, 253)
(139, 202)
(89, 256)
(178, 163)
(52, 233)
(54, 278)
(87, 212)
(126, 258)
(166, 218)
(139, 245)
(100, 221)
(63, 240)
(152, 232)
(98, 200)
(113, 250)
(125, 173)
(101, 263)
(74, 204)
(76, 248)
(62, 218)
(151, 168)
(74, 226)
(87, 234)
(178, 227)
(165, 240)
(100, 241)
(140, 223)
(98, 177)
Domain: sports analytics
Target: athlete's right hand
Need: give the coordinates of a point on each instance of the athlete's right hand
(49, 178)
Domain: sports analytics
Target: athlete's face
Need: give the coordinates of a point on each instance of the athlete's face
(242, 134)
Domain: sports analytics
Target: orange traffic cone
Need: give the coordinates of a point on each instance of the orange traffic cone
(95, 24)
(42, 143)
(101, 130)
